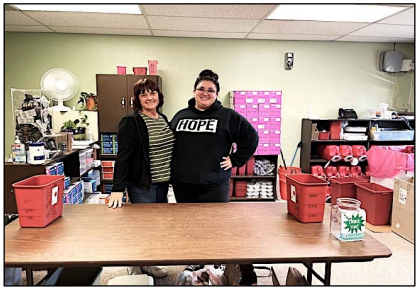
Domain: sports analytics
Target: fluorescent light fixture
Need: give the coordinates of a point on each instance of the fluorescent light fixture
(341, 13)
(100, 8)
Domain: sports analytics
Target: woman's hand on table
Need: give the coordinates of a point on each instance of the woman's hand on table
(115, 200)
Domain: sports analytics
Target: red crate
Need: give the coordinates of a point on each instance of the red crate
(39, 200)
(307, 213)
(231, 188)
(242, 171)
(344, 187)
(240, 188)
(306, 190)
(233, 171)
(250, 166)
(376, 200)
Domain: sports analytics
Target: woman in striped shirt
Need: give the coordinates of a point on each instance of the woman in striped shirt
(145, 146)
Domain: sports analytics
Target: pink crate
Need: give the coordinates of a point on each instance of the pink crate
(275, 123)
(264, 123)
(261, 98)
(253, 121)
(240, 94)
(238, 101)
(274, 136)
(275, 97)
(274, 149)
(252, 110)
(263, 136)
(240, 108)
(264, 110)
(263, 149)
(275, 110)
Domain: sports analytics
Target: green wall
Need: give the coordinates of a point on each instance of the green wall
(326, 75)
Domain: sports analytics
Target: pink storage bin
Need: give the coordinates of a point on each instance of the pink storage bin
(275, 110)
(275, 123)
(252, 110)
(264, 110)
(274, 136)
(275, 97)
(265, 121)
(152, 67)
(240, 94)
(274, 148)
(263, 149)
(261, 98)
(241, 109)
(253, 121)
(263, 136)
(238, 101)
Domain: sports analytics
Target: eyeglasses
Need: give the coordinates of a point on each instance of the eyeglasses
(202, 90)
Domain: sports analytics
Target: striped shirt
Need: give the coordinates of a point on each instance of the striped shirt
(162, 141)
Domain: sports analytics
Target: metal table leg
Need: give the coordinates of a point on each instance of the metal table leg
(328, 273)
(29, 276)
(309, 273)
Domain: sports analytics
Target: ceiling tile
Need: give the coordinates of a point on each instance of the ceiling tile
(404, 18)
(386, 30)
(18, 18)
(291, 37)
(201, 24)
(80, 19)
(376, 39)
(210, 11)
(198, 34)
(21, 28)
(86, 30)
(307, 27)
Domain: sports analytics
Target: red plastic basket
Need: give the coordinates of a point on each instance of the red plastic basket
(306, 197)
(250, 166)
(282, 172)
(344, 187)
(240, 188)
(241, 171)
(376, 200)
(39, 200)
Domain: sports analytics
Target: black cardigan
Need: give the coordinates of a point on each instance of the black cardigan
(132, 163)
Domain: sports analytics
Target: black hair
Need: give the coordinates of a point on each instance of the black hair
(142, 86)
(209, 75)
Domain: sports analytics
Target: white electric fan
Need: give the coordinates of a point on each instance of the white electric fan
(60, 85)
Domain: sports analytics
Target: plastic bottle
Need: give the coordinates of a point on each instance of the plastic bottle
(90, 134)
(18, 152)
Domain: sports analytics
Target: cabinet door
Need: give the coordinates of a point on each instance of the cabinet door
(112, 101)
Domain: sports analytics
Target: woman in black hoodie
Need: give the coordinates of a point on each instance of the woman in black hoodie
(205, 132)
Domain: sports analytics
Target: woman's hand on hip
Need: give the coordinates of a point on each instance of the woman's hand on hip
(226, 164)
(115, 200)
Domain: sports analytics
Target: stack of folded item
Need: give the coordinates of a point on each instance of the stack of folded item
(253, 189)
(266, 189)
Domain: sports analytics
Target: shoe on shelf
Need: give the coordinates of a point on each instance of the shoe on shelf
(154, 271)
(134, 270)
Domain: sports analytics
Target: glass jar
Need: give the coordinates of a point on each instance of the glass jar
(347, 220)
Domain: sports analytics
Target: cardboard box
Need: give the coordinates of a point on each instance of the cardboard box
(403, 215)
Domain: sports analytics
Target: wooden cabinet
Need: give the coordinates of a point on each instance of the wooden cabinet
(114, 97)
(309, 155)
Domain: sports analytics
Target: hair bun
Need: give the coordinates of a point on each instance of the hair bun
(210, 73)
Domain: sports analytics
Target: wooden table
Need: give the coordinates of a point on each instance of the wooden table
(182, 234)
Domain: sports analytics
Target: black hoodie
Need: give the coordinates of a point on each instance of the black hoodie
(203, 138)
